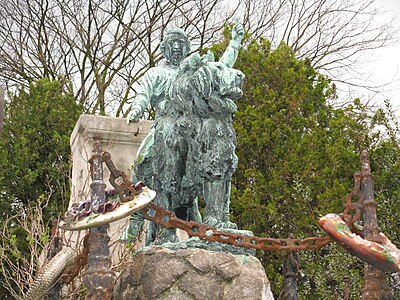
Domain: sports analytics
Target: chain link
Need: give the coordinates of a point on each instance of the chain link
(350, 206)
(167, 219)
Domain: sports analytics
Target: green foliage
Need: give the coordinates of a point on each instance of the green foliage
(386, 170)
(386, 167)
(297, 156)
(35, 155)
(34, 145)
(332, 272)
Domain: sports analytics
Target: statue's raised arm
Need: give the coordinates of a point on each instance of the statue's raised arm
(230, 55)
(174, 47)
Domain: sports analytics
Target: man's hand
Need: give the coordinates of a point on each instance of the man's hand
(133, 116)
(237, 33)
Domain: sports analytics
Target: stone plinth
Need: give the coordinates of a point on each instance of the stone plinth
(118, 138)
(122, 142)
(197, 274)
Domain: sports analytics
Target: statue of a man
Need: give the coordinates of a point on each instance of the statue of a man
(175, 47)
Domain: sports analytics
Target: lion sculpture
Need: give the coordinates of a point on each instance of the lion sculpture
(193, 151)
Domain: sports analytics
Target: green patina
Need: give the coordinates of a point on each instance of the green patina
(190, 150)
(342, 228)
(91, 217)
(387, 253)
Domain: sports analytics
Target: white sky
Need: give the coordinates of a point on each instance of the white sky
(385, 63)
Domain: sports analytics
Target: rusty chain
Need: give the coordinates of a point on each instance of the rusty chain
(351, 206)
(167, 219)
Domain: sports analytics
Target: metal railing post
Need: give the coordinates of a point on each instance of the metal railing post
(375, 287)
(98, 277)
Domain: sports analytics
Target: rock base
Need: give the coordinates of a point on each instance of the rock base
(192, 274)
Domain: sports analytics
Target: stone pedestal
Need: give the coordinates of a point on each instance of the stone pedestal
(158, 273)
(117, 137)
(122, 142)
(192, 274)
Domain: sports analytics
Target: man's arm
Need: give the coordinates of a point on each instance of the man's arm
(137, 108)
(231, 53)
(142, 99)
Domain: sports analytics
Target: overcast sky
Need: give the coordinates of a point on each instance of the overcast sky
(385, 63)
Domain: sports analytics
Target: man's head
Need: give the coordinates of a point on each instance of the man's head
(175, 46)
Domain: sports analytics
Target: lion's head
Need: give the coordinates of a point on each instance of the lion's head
(209, 86)
(215, 77)
(217, 86)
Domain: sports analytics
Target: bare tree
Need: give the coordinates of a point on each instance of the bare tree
(102, 46)
(335, 36)
(105, 46)
(17, 269)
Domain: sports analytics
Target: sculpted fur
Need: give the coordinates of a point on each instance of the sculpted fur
(196, 141)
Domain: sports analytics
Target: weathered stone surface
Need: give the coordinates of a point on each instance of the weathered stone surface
(130, 288)
(202, 286)
(133, 292)
(124, 276)
(176, 295)
(184, 252)
(192, 274)
(135, 270)
(200, 260)
(161, 270)
(227, 265)
(118, 138)
(251, 284)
